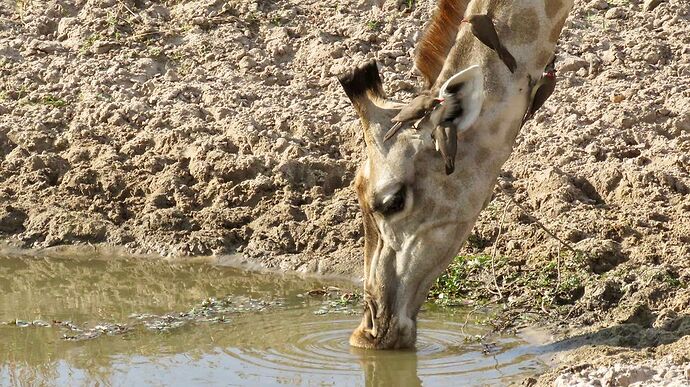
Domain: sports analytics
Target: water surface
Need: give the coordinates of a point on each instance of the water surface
(87, 321)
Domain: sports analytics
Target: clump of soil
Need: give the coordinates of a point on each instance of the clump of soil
(211, 127)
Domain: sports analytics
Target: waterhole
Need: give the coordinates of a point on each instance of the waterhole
(100, 321)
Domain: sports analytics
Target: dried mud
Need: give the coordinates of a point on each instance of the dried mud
(213, 127)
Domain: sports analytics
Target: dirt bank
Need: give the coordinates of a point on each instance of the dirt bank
(200, 127)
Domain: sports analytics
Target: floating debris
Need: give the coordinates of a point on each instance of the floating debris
(166, 323)
(490, 348)
(26, 324)
(210, 310)
(336, 301)
(80, 334)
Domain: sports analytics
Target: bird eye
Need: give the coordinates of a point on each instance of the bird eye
(392, 204)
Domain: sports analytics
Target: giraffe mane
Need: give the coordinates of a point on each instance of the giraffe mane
(439, 38)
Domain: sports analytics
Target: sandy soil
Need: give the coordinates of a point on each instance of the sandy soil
(212, 127)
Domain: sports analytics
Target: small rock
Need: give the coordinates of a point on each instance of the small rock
(649, 5)
(401, 85)
(48, 47)
(683, 122)
(599, 4)
(572, 63)
(617, 98)
(65, 25)
(101, 47)
(247, 63)
(391, 53)
(667, 320)
(626, 122)
(601, 255)
(11, 220)
(603, 296)
(615, 13)
(609, 56)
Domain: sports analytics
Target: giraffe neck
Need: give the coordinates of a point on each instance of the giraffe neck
(529, 31)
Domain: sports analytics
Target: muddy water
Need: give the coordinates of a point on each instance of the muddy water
(116, 322)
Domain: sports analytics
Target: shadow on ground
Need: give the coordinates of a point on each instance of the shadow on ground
(644, 333)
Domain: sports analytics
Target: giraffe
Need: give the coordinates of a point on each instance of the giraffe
(415, 215)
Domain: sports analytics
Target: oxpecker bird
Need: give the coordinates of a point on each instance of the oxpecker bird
(417, 109)
(483, 29)
(446, 138)
(445, 132)
(542, 90)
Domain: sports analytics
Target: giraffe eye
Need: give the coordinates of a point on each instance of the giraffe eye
(391, 204)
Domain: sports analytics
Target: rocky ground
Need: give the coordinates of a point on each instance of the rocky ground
(218, 127)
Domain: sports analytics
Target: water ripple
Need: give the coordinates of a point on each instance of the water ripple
(445, 349)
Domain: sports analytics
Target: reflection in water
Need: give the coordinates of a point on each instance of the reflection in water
(291, 343)
(395, 368)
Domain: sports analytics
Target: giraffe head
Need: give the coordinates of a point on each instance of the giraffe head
(415, 217)
(417, 211)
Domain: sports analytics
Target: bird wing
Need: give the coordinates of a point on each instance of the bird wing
(446, 140)
(484, 30)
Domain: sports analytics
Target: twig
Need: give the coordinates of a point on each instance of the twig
(558, 268)
(467, 319)
(543, 309)
(129, 10)
(540, 224)
(493, 251)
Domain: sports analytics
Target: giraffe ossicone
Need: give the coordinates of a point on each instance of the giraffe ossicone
(417, 214)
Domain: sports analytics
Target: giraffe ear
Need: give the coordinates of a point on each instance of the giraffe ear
(465, 92)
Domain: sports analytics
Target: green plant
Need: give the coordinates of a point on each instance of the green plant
(373, 25)
(461, 277)
(88, 43)
(53, 101)
(21, 7)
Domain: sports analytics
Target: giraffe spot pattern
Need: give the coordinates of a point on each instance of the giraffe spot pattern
(556, 31)
(482, 155)
(544, 57)
(552, 7)
(525, 26)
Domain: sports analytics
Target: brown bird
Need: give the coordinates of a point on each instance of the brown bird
(417, 109)
(446, 138)
(542, 90)
(483, 29)
(445, 132)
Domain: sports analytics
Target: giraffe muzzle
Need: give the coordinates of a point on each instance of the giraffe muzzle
(381, 328)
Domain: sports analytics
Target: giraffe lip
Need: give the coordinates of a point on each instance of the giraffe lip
(371, 317)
